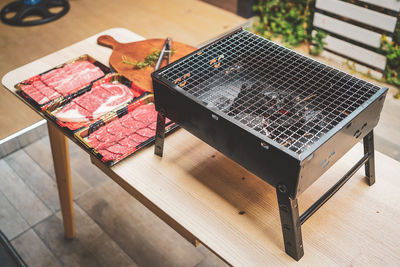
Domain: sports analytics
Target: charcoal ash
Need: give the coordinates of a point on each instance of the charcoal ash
(265, 109)
(223, 103)
(313, 120)
(249, 100)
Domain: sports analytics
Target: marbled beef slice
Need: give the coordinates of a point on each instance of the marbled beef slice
(95, 103)
(117, 149)
(115, 128)
(34, 93)
(130, 123)
(121, 94)
(128, 143)
(72, 113)
(147, 132)
(136, 138)
(93, 99)
(72, 76)
(120, 136)
(107, 155)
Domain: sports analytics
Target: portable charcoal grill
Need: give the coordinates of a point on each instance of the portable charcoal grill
(283, 116)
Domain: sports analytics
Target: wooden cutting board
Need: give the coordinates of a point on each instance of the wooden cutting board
(137, 51)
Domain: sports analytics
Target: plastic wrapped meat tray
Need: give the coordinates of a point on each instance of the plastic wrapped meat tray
(123, 132)
(110, 93)
(62, 82)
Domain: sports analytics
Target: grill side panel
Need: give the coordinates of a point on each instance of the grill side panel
(270, 164)
(340, 143)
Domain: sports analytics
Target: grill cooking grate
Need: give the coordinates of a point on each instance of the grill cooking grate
(281, 94)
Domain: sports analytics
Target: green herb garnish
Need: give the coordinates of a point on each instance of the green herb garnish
(149, 60)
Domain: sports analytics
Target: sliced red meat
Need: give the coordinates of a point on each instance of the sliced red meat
(72, 65)
(52, 74)
(115, 128)
(72, 113)
(67, 85)
(50, 93)
(77, 65)
(27, 88)
(121, 92)
(89, 74)
(107, 155)
(152, 125)
(130, 123)
(122, 135)
(34, 93)
(120, 95)
(138, 138)
(105, 138)
(95, 103)
(93, 99)
(100, 134)
(93, 141)
(61, 81)
(145, 114)
(109, 140)
(39, 98)
(72, 76)
(57, 79)
(147, 132)
(39, 85)
(117, 149)
(107, 143)
(79, 79)
(128, 143)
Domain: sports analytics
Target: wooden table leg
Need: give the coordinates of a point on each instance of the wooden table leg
(60, 151)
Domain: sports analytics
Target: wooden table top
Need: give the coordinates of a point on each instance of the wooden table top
(199, 192)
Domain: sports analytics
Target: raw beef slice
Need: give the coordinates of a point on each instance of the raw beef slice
(123, 135)
(130, 123)
(93, 99)
(109, 155)
(34, 93)
(121, 94)
(72, 76)
(95, 103)
(62, 81)
(73, 113)
(40, 92)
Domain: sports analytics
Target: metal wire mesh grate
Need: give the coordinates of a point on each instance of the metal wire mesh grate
(283, 95)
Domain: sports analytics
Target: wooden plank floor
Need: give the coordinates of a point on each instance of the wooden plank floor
(113, 229)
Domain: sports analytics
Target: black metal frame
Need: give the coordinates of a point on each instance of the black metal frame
(288, 208)
(160, 133)
(290, 173)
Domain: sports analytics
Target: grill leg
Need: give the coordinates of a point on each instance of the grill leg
(291, 225)
(160, 134)
(370, 164)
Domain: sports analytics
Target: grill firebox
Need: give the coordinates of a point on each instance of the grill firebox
(281, 115)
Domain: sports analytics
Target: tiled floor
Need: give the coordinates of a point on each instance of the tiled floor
(113, 229)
